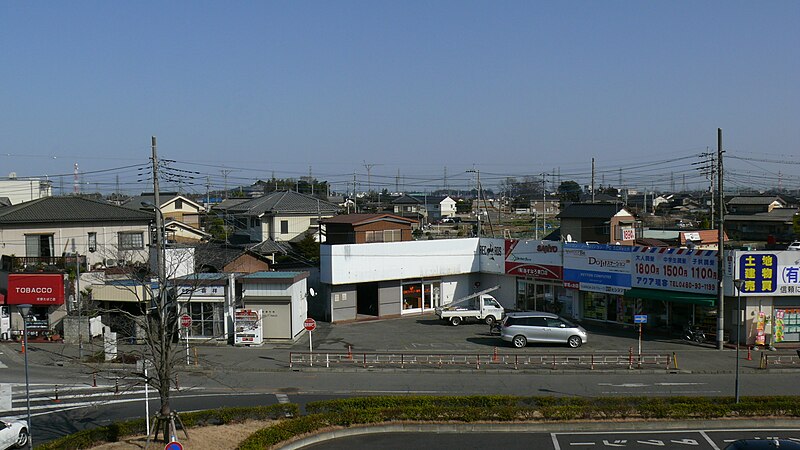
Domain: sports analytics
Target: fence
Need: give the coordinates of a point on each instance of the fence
(495, 360)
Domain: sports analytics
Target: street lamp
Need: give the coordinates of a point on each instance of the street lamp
(24, 310)
(738, 283)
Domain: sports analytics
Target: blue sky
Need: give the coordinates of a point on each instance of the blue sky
(511, 88)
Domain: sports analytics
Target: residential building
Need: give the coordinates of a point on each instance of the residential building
(754, 204)
(599, 223)
(775, 225)
(279, 216)
(24, 190)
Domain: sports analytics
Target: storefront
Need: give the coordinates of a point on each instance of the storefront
(538, 269)
(45, 294)
(672, 311)
(421, 296)
(206, 298)
(281, 298)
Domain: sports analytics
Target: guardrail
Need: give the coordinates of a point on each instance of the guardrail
(495, 360)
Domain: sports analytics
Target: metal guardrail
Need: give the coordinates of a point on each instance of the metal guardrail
(495, 360)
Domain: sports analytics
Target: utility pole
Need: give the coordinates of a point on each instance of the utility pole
(478, 215)
(369, 175)
(162, 276)
(721, 245)
(355, 195)
(225, 173)
(592, 180)
(544, 204)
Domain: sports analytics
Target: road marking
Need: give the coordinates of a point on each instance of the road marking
(282, 398)
(3, 366)
(680, 384)
(708, 439)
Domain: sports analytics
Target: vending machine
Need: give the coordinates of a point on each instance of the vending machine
(5, 323)
(248, 327)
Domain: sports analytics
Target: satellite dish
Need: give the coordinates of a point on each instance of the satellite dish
(312, 292)
(569, 238)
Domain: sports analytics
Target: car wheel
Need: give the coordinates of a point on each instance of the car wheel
(519, 341)
(489, 320)
(22, 439)
(455, 321)
(574, 341)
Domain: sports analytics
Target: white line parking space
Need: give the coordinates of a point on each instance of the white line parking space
(673, 439)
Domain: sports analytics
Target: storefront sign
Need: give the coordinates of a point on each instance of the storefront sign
(534, 259)
(491, 252)
(776, 273)
(598, 267)
(40, 289)
(675, 269)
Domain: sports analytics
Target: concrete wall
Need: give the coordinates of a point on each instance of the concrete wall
(349, 264)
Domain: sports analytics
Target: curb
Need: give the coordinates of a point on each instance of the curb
(528, 427)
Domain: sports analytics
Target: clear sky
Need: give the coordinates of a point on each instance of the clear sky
(415, 88)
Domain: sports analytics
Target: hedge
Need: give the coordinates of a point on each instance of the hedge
(114, 432)
(371, 410)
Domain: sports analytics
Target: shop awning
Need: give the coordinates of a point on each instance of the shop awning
(672, 296)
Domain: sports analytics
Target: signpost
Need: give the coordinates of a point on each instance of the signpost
(640, 319)
(310, 325)
(186, 322)
(173, 446)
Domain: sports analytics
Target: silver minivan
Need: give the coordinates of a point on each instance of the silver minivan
(519, 328)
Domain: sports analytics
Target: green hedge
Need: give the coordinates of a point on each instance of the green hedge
(114, 432)
(371, 410)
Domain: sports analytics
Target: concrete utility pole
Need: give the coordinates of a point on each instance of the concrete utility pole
(478, 215)
(721, 245)
(592, 180)
(162, 271)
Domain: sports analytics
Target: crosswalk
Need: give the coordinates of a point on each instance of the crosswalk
(49, 398)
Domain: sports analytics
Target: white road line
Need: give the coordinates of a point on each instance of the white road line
(282, 398)
(556, 445)
(708, 439)
(3, 366)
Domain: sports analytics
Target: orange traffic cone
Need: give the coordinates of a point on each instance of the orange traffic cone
(749, 356)
(23, 346)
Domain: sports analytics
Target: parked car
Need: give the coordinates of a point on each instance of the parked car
(520, 328)
(794, 246)
(13, 433)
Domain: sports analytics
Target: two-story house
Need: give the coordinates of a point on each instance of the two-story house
(278, 216)
(364, 228)
(181, 215)
(602, 223)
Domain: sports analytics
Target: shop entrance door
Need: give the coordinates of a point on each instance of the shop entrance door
(430, 295)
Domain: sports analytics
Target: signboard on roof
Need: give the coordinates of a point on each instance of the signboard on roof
(37, 289)
(773, 273)
(598, 267)
(534, 259)
(675, 269)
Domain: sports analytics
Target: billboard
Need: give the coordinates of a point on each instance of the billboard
(491, 253)
(598, 267)
(675, 269)
(535, 259)
(38, 289)
(772, 273)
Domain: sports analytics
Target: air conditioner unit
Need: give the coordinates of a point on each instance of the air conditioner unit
(111, 262)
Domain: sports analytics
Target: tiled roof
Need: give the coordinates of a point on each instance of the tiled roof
(269, 247)
(285, 202)
(776, 215)
(589, 211)
(406, 200)
(359, 219)
(754, 200)
(70, 209)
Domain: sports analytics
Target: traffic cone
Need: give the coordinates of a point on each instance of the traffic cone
(749, 356)
(23, 346)
(495, 358)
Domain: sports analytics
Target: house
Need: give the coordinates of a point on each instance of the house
(439, 207)
(764, 226)
(701, 239)
(42, 231)
(279, 216)
(364, 228)
(410, 208)
(754, 204)
(602, 223)
(548, 206)
(181, 215)
(24, 190)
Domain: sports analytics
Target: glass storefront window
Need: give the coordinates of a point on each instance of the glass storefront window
(594, 306)
(412, 296)
(421, 295)
(206, 319)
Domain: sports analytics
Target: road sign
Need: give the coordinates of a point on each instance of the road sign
(173, 446)
(310, 324)
(186, 321)
(640, 318)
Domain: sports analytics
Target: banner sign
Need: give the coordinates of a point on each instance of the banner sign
(534, 259)
(775, 273)
(491, 253)
(675, 269)
(598, 267)
(40, 289)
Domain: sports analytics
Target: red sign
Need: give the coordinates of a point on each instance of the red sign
(186, 321)
(310, 324)
(39, 289)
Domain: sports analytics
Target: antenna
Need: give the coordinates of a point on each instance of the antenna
(76, 184)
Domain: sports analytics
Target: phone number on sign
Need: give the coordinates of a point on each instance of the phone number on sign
(665, 283)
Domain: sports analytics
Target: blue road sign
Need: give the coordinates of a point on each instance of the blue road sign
(640, 318)
(174, 446)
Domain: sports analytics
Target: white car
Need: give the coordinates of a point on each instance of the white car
(794, 246)
(13, 433)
